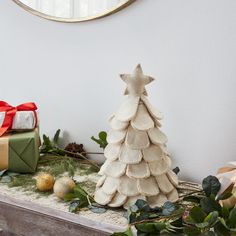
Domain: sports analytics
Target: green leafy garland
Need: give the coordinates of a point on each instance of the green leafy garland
(198, 213)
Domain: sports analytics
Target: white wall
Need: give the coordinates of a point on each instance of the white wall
(71, 72)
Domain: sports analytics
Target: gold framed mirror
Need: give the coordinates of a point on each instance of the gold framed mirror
(73, 10)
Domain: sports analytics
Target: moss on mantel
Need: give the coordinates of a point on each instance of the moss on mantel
(56, 166)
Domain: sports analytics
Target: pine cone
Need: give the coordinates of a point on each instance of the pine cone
(75, 148)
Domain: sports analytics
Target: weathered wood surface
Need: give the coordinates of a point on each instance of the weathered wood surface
(27, 219)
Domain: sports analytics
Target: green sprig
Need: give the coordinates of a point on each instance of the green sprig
(198, 213)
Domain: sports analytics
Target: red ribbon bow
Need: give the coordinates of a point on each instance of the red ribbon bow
(11, 111)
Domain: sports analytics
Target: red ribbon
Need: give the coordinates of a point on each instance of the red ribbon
(11, 111)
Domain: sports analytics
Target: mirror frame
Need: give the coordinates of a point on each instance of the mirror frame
(66, 20)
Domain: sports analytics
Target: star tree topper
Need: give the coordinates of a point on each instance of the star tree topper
(136, 82)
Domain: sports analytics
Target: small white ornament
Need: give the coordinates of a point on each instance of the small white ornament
(63, 186)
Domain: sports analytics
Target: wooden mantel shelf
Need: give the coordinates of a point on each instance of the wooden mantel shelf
(19, 217)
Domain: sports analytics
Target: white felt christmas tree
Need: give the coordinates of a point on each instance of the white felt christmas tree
(137, 163)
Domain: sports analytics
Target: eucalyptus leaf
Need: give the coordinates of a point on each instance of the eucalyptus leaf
(97, 210)
(80, 191)
(143, 216)
(197, 214)
(168, 208)
(211, 185)
(232, 218)
(74, 206)
(225, 212)
(134, 208)
(80, 198)
(202, 225)
(220, 230)
(126, 215)
(150, 227)
(132, 217)
(153, 215)
(191, 231)
(142, 205)
(222, 221)
(126, 233)
(69, 196)
(212, 218)
(209, 205)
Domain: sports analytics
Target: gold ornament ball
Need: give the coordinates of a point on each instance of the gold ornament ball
(63, 186)
(45, 182)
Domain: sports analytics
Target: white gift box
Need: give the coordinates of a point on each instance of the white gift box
(23, 120)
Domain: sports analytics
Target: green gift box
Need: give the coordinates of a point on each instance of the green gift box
(19, 152)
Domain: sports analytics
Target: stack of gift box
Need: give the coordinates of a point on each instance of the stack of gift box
(19, 137)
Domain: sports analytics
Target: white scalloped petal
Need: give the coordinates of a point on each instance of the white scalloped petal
(173, 196)
(137, 139)
(117, 124)
(164, 148)
(110, 185)
(118, 200)
(157, 201)
(132, 200)
(101, 181)
(130, 156)
(128, 109)
(128, 186)
(160, 167)
(152, 153)
(142, 120)
(102, 198)
(156, 136)
(154, 112)
(115, 169)
(103, 167)
(148, 186)
(173, 178)
(138, 171)
(164, 184)
(112, 151)
(157, 123)
(116, 136)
